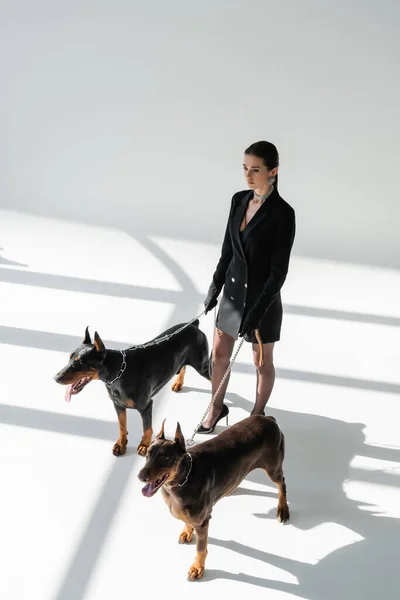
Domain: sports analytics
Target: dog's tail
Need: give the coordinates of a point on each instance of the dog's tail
(196, 323)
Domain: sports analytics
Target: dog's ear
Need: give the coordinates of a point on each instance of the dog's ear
(179, 439)
(161, 435)
(87, 339)
(98, 343)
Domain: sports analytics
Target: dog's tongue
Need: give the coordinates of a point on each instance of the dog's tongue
(68, 393)
(148, 490)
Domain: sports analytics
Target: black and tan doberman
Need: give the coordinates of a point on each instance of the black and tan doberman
(134, 376)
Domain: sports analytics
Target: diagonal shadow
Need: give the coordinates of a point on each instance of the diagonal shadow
(63, 343)
(92, 286)
(325, 379)
(122, 290)
(55, 422)
(270, 584)
(342, 315)
(10, 263)
(45, 340)
(84, 561)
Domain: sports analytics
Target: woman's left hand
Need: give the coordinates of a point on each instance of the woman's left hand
(250, 324)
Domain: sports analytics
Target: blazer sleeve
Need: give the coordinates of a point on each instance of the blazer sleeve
(218, 279)
(279, 265)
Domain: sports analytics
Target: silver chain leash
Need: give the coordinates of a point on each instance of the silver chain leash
(152, 343)
(190, 441)
(166, 337)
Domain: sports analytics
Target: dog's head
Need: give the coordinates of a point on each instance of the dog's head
(83, 365)
(163, 460)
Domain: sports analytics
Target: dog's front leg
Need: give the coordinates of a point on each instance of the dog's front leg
(186, 535)
(120, 445)
(196, 571)
(146, 415)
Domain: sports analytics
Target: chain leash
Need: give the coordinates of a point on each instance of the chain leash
(190, 441)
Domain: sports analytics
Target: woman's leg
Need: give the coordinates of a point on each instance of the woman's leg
(221, 355)
(265, 377)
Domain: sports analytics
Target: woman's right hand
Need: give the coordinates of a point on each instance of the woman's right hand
(210, 303)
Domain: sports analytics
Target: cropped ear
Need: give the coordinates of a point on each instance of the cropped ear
(98, 343)
(179, 439)
(87, 339)
(161, 435)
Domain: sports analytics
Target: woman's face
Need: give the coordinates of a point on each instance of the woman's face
(256, 173)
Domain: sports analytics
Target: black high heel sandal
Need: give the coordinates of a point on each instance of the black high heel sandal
(224, 413)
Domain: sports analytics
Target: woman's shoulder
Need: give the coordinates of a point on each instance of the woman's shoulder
(240, 195)
(284, 205)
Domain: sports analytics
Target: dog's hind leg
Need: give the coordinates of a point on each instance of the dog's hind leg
(178, 383)
(282, 511)
(146, 415)
(202, 363)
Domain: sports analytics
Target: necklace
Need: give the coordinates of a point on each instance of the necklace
(263, 197)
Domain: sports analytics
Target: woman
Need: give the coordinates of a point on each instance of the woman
(252, 269)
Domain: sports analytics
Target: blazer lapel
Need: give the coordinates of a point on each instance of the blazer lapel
(265, 209)
(238, 220)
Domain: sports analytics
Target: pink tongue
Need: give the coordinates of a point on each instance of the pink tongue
(148, 490)
(68, 393)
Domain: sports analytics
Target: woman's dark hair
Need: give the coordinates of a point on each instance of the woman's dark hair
(268, 153)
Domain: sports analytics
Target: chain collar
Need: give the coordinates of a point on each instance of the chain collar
(188, 473)
(168, 486)
(122, 369)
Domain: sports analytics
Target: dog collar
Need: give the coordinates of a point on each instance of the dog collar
(188, 473)
(122, 369)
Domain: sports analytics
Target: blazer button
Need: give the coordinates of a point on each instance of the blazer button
(232, 298)
(245, 285)
(233, 279)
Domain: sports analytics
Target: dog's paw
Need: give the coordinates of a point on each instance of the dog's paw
(177, 386)
(283, 514)
(186, 537)
(119, 447)
(195, 572)
(142, 450)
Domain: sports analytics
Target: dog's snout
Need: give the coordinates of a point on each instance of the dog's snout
(143, 477)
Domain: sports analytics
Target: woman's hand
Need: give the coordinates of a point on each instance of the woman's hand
(250, 323)
(210, 303)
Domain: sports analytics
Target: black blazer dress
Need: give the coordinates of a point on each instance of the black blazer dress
(253, 266)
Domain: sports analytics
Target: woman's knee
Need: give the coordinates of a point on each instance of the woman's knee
(221, 356)
(266, 367)
(268, 359)
(222, 349)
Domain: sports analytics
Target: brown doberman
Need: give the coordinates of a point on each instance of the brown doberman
(192, 483)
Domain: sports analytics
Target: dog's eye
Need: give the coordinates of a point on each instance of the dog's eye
(165, 459)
